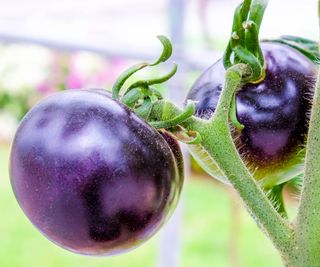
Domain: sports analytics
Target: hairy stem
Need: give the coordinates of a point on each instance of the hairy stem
(217, 140)
(308, 220)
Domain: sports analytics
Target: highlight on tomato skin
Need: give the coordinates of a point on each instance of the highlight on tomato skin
(92, 176)
(274, 112)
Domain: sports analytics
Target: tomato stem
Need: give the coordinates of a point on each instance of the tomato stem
(308, 220)
(216, 139)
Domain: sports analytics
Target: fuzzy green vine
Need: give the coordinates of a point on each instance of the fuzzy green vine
(299, 243)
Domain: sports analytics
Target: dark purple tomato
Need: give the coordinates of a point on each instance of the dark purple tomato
(91, 175)
(274, 112)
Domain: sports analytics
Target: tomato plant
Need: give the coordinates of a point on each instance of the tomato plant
(100, 174)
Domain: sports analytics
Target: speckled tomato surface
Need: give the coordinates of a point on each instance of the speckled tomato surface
(92, 176)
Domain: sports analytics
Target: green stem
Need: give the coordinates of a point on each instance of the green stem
(308, 220)
(219, 144)
(217, 141)
(235, 75)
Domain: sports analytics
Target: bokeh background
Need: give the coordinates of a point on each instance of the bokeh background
(47, 46)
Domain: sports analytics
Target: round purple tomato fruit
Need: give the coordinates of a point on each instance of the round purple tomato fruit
(91, 175)
(274, 112)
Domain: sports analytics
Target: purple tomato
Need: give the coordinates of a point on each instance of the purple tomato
(91, 175)
(274, 112)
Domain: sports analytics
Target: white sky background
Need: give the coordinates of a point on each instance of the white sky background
(134, 23)
(282, 17)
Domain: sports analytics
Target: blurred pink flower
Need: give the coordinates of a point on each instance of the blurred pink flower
(74, 81)
(109, 73)
(116, 67)
(44, 88)
(101, 78)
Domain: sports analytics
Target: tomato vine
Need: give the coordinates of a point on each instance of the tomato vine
(298, 243)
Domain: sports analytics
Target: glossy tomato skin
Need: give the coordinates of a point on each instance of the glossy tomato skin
(274, 111)
(91, 175)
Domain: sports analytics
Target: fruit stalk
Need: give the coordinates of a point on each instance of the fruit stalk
(217, 141)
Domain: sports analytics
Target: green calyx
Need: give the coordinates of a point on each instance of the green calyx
(143, 98)
(165, 55)
(243, 46)
(141, 95)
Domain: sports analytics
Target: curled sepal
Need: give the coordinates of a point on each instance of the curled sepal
(257, 10)
(243, 46)
(241, 14)
(252, 40)
(245, 8)
(237, 30)
(166, 52)
(227, 56)
(185, 136)
(165, 55)
(159, 80)
(247, 57)
(183, 116)
(124, 77)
